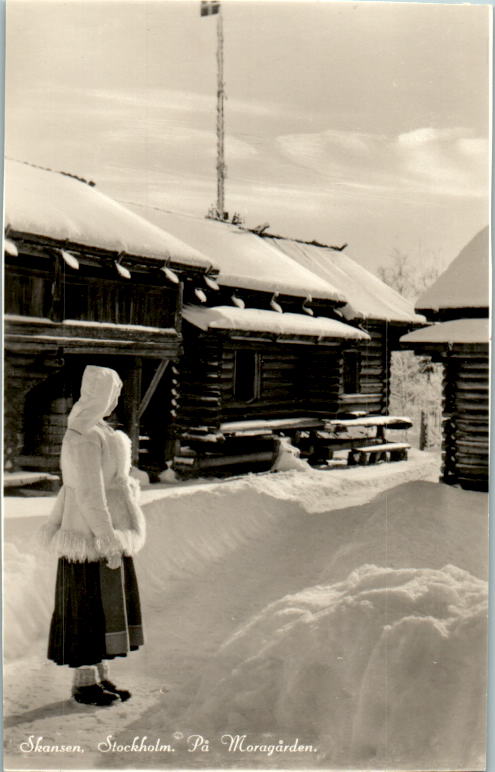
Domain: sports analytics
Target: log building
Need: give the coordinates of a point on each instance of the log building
(373, 306)
(275, 348)
(88, 282)
(458, 306)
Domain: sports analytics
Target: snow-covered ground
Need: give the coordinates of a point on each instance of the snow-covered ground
(306, 618)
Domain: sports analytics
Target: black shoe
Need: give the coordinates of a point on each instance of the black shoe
(110, 687)
(93, 695)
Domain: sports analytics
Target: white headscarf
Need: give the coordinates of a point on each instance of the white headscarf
(100, 387)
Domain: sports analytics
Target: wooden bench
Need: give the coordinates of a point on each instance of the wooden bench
(372, 454)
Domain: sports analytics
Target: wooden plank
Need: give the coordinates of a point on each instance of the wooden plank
(157, 376)
(390, 422)
(301, 422)
(383, 447)
(262, 456)
(359, 398)
(473, 386)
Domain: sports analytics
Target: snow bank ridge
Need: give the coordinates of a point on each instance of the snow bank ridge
(187, 533)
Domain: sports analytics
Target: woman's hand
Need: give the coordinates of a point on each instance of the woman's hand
(114, 561)
(130, 485)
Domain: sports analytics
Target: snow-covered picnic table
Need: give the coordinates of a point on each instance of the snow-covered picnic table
(305, 423)
(338, 426)
(344, 433)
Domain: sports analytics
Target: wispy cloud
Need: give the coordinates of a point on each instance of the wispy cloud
(444, 162)
(147, 99)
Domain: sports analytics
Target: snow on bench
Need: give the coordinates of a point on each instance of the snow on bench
(256, 426)
(18, 479)
(388, 421)
(370, 454)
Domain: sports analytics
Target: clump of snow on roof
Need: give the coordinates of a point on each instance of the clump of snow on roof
(387, 666)
(260, 320)
(46, 203)
(465, 283)
(368, 297)
(470, 330)
(245, 260)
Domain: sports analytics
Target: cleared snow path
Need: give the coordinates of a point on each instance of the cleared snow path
(217, 556)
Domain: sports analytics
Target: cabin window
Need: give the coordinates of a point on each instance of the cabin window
(351, 371)
(247, 376)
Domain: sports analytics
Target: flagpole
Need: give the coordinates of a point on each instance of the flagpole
(221, 168)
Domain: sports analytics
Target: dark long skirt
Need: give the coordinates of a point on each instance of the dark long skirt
(97, 613)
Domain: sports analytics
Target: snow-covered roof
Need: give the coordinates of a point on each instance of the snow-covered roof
(455, 331)
(368, 297)
(465, 283)
(245, 260)
(46, 203)
(257, 320)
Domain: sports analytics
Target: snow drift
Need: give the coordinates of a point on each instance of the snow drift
(28, 594)
(189, 528)
(385, 668)
(345, 608)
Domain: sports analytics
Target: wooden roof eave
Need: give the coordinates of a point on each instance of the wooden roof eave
(29, 242)
(439, 350)
(270, 337)
(316, 301)
(401, 325)
(453, 312)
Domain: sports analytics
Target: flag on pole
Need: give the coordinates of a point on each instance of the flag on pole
(209, 7)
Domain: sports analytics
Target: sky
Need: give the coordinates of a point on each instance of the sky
(364, 123)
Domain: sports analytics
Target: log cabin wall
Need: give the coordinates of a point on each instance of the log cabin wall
(199, 383)
(24, 373)
(280, 374)
(465, 447)
(372, 387)
(321, 380)
(294, 380)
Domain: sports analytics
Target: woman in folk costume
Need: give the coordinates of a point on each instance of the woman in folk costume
(96, 527)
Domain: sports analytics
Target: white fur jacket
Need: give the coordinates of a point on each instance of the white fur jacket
(96, 513)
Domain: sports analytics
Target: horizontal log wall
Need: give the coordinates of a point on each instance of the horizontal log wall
(281, 374)
(375, 372)
(295, 380)
(322, 379)
(23, 373)
(465, 448)
(199, 383)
